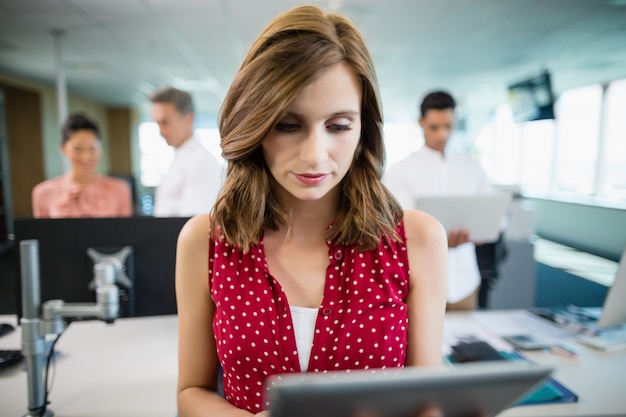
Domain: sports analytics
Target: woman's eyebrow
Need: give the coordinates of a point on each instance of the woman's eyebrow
(327, 116)
(343, 113)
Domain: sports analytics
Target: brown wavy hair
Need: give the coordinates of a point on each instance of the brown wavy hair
(292, 51)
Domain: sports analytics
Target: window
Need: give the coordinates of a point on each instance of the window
(537, 155)
(210, 138)
(582, 152)
(156, 156)
(613, 171)
(400, 140)
(499, 144)
(578, 134)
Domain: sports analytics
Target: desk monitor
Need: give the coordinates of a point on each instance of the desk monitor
(66, 269)
(482, 215)
(460, 391)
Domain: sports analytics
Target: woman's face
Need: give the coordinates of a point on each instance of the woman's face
(312, 146)
(82, 149)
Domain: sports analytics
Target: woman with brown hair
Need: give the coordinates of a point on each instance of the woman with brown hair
(306, 263)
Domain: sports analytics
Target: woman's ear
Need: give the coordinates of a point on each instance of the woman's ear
(63, 149)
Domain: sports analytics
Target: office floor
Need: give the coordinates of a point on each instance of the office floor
(8, 303)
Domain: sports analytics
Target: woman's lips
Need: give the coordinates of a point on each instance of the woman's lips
(311, 179)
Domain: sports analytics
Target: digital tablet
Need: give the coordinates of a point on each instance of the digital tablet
(481, 215)
(488, 387)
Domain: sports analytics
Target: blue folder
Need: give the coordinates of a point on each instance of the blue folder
(549, 392)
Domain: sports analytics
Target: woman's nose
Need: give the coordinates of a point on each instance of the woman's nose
(314, 148)
(88, 156)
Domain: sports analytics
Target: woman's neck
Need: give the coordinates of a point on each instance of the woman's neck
(309, 220)
(82, 178)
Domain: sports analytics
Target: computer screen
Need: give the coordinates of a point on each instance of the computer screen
(66, 269)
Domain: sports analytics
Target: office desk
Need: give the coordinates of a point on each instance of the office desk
(598, 378)
(128, 369)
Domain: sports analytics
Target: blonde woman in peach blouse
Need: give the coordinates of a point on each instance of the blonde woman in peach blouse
(81, 192)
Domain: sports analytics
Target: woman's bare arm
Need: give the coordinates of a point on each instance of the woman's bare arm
(197, 356)
(428, 262)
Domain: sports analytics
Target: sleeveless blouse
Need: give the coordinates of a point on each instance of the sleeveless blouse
(362, 322)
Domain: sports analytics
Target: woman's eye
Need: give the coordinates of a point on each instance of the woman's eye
(339, 127)
(287, 127)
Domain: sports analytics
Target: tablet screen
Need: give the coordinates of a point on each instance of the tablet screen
(458, 391)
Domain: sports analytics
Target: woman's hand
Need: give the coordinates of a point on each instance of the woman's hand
(426, 411)
(457, 237)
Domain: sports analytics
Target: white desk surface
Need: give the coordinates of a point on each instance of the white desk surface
(598, 378)
(126, 369)
(129, 369)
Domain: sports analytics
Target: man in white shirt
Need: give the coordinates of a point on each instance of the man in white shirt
(434, 171)
(193, 181)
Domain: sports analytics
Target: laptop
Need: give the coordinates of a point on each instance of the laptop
(481, 215)
(604, 327)
(610, 330)
(614, 308)
(462, 390)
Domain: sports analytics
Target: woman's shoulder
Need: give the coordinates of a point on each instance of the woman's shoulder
(47, 186)
(421, 228)
(196, 230)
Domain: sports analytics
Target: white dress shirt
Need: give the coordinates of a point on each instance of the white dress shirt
(427, 172)
(192, 183)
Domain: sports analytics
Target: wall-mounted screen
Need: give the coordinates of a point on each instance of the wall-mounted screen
(532, 99)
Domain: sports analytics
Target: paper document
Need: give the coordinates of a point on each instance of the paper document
(462, 330)
(522, 322)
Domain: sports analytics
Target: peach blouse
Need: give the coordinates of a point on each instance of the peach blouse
(62, 197)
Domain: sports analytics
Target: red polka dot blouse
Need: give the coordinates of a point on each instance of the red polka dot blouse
(361, 324)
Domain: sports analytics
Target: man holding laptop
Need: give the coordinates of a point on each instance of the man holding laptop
(434, 171)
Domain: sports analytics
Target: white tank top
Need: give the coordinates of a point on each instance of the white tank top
(304, 327)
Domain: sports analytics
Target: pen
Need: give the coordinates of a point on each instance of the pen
(564, 350)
